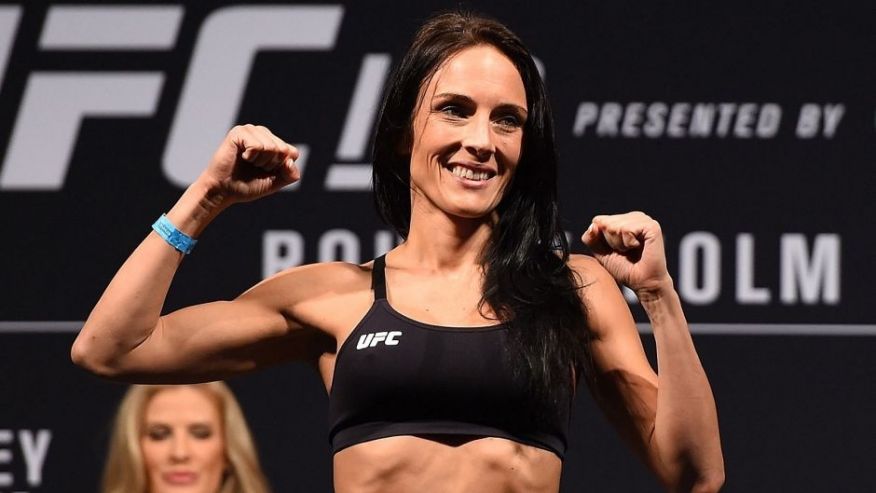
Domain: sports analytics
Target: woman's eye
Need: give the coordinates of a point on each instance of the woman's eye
(202, 432)
(510, 122)
(451, 110)
(158, 433)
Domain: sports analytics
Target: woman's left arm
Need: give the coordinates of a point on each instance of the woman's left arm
(668, 417)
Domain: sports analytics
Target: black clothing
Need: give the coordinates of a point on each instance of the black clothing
(397, 376)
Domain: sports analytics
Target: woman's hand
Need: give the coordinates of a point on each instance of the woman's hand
(126, 336)
(250, 163)
(630, 247)
(669, 417)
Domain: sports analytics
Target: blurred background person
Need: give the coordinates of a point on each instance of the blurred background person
(182, 438)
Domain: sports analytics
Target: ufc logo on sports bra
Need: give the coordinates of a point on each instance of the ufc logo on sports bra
(372, 340)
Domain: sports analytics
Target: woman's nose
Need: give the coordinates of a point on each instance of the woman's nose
(479, 138)
(179, 449)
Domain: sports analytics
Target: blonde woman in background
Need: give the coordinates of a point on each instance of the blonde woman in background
(185, 438)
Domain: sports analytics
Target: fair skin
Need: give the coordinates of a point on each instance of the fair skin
(467, 135)
(182, 442)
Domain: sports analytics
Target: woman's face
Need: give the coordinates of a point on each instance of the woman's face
(182, 442)
(467, 133)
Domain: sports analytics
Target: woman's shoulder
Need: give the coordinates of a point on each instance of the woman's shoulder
(330, 296)
(587, 268)
(323, 278)
(598, 286)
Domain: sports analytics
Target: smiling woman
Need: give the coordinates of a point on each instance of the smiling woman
(469, 124)
(190, 438)
(452, 361)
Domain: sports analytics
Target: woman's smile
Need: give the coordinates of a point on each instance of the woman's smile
(468, 133)
(471, 174)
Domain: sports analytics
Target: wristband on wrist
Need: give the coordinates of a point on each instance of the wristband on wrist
(174, 237)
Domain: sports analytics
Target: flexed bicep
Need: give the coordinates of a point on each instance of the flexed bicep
(624, 385)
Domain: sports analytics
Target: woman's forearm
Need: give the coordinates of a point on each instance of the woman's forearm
(130, 307)
(686, 425)
(251, 162)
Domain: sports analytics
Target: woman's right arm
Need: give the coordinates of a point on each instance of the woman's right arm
(125, 335)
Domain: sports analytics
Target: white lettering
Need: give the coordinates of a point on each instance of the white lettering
(364, 341)
(804, 276)
(378, 337)
(228, 42)
(678, 118)
(391, 338)
(609, 119)
(702, 120)
(655, 123)
(53, 107)
(807, 123)
(6, 478)
(725, 116)
(281, 250)
(746, 292)
(348, 177)
(633, 116)
(833, 113)
(744, 119)
(690, 248)
(811, 114)
(9, 17)
(358, 125)
(34, 450)
(372, 340)
(339, 244)
(769, 120)
(114, 27)
(584, 117)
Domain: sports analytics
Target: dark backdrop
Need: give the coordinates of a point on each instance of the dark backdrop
(746, 128)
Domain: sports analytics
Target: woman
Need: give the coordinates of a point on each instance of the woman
(451, 362)
(181, 438)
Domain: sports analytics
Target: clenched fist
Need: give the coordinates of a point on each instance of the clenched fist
(250, 163)
(630, 247)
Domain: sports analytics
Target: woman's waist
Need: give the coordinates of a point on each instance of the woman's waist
(446, 462)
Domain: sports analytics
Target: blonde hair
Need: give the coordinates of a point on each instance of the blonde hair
(125, 471)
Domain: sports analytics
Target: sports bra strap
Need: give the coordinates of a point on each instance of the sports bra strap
(378, 278)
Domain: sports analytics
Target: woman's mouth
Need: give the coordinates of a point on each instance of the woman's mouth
(470, 174)
(180, 478)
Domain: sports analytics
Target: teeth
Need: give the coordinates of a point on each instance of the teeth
(469, 174)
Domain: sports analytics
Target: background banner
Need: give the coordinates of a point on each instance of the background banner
(746, 129)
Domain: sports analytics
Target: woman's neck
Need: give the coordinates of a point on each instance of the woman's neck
(438, 241)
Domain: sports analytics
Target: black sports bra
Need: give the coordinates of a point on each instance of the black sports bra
(397, 376)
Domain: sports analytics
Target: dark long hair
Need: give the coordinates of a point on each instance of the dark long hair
(527, 282)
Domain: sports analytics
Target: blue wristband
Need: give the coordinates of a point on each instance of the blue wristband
(173, 236)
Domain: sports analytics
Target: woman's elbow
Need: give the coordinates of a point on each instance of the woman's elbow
(696, 480)
(710, 483)
(85, 355)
